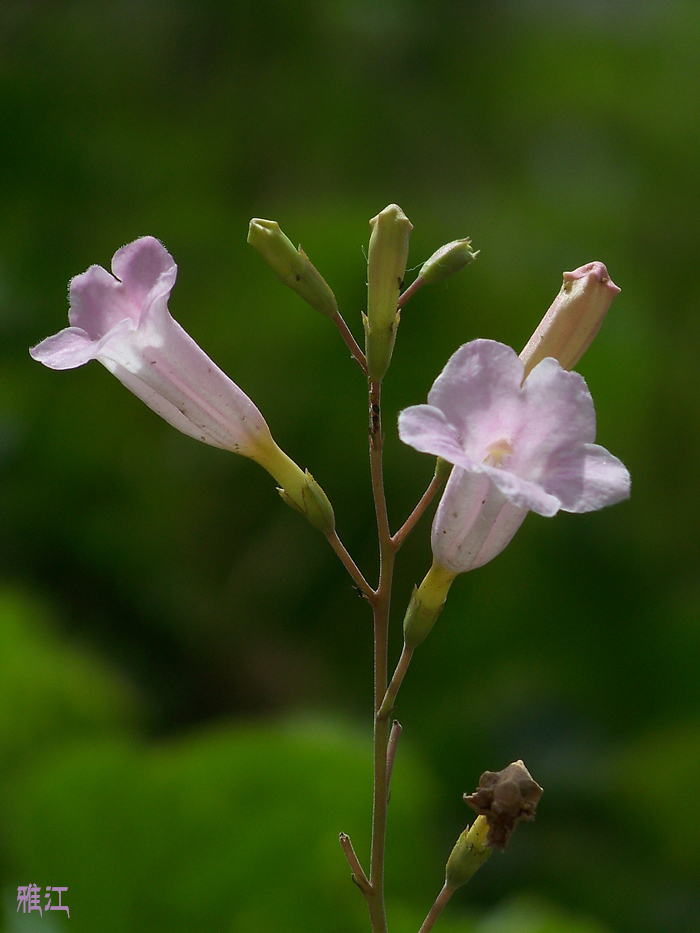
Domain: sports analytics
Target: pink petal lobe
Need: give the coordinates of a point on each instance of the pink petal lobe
(425, 428)
(557, 414)
(587, 479)
(98, 302)
(67, 349)
(146, 269)
(478, 391)
(522, 493)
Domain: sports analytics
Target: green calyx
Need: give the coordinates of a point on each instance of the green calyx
(426, 605)
(469, 854)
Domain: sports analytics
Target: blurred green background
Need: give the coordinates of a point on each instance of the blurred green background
(185, 674)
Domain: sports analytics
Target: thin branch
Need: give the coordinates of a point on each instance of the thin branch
(435, 911)
(347, 336)
(396, 681)
(411, 290)
(350, 565)
(358, 873)
(412, 520)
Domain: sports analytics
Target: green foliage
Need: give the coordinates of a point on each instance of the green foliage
(232, 828)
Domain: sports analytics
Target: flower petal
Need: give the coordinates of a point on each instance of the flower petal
(161, 364)
(522, 493)
(557, 414)
(68, 349)
(426, 428)
(474, 522)
(478, 391)
(98, 302)
(146, 269)
(587, 479)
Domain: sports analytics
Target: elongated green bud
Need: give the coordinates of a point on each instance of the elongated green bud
(450, 258)
(292, 265)
(386, 265)
(426, 605)
(469, 854)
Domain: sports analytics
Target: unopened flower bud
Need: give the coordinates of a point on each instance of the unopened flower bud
(291, 265)
(567, 329)
(426, 605)
(469, 854)
(504, 798)
(450, 258)
(386, 265)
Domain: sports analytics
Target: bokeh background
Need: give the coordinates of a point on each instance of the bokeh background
(185, 682)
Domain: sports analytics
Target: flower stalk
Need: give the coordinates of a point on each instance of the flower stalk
(381, 644)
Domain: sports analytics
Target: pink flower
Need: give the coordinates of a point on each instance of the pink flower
(515, 448)
(123, 321)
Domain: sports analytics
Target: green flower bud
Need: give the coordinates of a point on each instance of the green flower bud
(386, 265)
(312, 502)
(450, 258)
(298, 488)
(469, 854)
(426, 605)
(291, 265)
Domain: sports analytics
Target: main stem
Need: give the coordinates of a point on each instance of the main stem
(375, 899)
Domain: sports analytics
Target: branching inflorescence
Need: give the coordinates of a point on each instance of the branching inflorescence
(511, 435)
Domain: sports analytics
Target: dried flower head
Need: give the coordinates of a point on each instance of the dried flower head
(504, 798)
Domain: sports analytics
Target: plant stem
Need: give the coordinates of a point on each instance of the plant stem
(435, 911)
(411, 290)
(396, 681)
(375, 899)
(347, 336)
(350, 564)
(358, 873)
(412, 520)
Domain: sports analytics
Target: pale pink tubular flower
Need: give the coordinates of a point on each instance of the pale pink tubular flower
(516, 447)
(123, 321)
